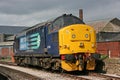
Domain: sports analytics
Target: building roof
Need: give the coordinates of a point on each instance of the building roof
(11, 29)
(9, 43)
(107, 25)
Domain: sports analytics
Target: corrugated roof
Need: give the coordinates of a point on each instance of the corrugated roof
(11, 29)
(107, 25)
(6, 43)
(110, 27)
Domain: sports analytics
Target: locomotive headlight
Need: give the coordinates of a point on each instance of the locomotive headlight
(73, 36)
(86, 35)
(81, 44)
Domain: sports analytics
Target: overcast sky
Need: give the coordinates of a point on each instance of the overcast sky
(31, 12)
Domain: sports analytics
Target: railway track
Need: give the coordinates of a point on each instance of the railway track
(69, 76)
(105, 76)
(13, 74)
(94, 76)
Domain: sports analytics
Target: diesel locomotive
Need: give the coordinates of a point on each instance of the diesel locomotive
(65, 43)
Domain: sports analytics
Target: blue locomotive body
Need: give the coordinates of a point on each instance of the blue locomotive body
(31, 42)
(36, 41)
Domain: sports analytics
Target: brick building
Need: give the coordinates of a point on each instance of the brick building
(7, 38)
(108, 36)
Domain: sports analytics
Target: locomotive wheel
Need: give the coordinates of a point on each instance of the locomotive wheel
(45, 63)
(55, 65)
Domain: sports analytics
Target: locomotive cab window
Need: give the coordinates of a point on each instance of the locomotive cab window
(69, 20)
(63, 21)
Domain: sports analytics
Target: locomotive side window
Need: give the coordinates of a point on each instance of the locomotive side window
(50, 27)
(56, 25)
